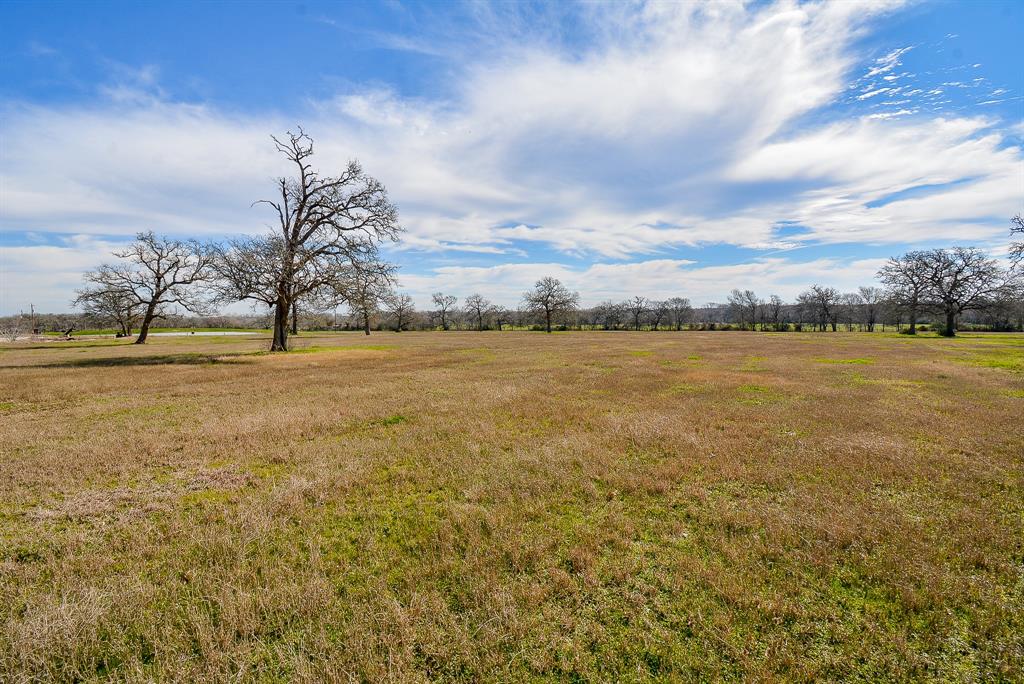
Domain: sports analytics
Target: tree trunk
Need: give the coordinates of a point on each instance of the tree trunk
(913, 321)
(147, 320)
(281, 309)
(547, 320)
(295, 318)
(366, 323)
(950, 330)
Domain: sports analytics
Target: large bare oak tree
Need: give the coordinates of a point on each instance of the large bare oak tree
(962, 279)
(328, 228)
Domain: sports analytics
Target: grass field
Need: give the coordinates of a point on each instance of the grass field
(514, 506)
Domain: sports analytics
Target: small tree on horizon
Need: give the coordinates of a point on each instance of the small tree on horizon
(744, 306)
(367, 289)
(400, 308)
(445, 304)
(659, 312)
(478, 307)
(871, 299)
(637, 307)
(680, 311)
(550, 298)
(906, 279)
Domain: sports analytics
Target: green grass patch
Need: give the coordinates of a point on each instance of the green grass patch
(758, 395)
(1010, 359)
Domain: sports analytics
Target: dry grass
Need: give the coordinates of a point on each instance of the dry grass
(514, 506)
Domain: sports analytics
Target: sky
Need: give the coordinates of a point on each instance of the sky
(627, 148)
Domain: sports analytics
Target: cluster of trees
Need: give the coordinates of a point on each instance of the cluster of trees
(323, 251)
(548, 301)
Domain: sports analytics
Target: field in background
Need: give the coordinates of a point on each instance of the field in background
(487, 506)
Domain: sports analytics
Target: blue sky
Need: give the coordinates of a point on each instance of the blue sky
(642, 148)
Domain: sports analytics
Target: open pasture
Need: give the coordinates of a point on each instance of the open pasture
(513, 506)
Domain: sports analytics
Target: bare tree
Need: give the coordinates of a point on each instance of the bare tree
(550, 298)
(608, 315)
(325, 224)
(744, 307)
(401, 309)
(155, 272)
(906, 279)
(478, 308)
(680, 311)
(819, 305)
(848, 309)
(962, 279)
(773, 312)
(1017, 248)
(637, 307)
(871, 299)
(445, 304)
(501, 316)
(659, 312)
(110, 306)
(12, 327)
(368, 287)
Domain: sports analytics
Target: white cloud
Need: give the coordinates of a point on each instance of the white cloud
(859, 163)
(48, 275)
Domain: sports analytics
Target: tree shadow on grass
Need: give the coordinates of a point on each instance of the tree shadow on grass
(186, 359)
(62, 345)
